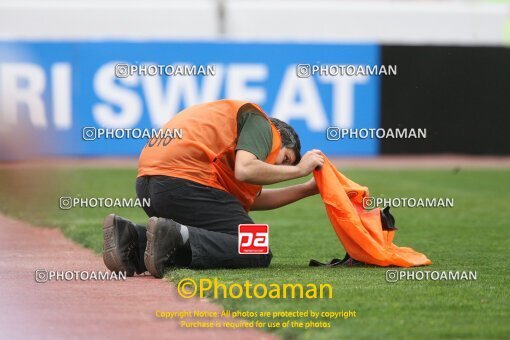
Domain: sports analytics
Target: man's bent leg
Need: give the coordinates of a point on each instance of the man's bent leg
(211, 249)
(212, 217)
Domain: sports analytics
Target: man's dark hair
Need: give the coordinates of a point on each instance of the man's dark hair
(290, 138)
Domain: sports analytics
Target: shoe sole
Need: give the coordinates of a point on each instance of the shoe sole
(148, 257)
(111, 256)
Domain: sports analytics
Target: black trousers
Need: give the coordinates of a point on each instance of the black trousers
(211, 215)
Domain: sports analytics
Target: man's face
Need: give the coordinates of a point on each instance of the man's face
(285, 157)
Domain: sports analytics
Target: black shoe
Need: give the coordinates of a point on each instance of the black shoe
(347, 261)
(350, 262)
(120, 250)
(163, 240)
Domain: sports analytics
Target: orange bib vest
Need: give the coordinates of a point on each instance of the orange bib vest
(359, 230)
(206, 152)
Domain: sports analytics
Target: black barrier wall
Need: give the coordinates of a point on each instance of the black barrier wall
(461, 95)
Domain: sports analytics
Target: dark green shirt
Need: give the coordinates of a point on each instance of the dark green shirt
(254, 134)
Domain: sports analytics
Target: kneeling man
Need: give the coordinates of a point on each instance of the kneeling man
(202, 186)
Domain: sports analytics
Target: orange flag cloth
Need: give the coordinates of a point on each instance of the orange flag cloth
(360, 230)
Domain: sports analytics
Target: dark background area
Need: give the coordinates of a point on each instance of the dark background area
(461, 95)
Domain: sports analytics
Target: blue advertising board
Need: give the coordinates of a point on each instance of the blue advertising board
(52, 90)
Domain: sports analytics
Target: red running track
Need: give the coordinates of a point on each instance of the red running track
(85, 309)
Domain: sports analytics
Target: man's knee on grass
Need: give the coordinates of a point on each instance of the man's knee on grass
(264, 260)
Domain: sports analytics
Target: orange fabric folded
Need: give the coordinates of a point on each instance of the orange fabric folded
(360, 230)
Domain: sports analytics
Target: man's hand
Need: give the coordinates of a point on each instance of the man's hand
(311, 160)
(311, 187)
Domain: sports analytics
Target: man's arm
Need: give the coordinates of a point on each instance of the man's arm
(276, 198)
(251, 170)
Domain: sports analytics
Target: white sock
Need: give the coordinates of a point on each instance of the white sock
(184, 233)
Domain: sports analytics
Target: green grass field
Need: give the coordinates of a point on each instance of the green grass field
(472, 236)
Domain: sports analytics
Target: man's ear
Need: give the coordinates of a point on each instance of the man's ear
(298, 157)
